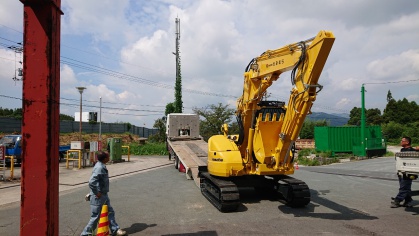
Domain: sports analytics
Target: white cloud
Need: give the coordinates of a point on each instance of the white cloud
(218, 39)
(343, 102)
(102, 19)
(390, 67)
(67, 76)
(413, 97)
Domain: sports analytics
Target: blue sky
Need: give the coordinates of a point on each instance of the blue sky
(131, 44)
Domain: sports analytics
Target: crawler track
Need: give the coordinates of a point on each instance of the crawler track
(223, 194)
(295, 192)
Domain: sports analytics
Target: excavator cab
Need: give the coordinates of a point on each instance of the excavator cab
(273, 108)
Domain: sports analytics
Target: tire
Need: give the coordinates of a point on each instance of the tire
(168, 150)
(176, 162)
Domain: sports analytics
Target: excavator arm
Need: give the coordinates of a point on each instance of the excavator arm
(261, 155)
(306, 59)
(268, 129)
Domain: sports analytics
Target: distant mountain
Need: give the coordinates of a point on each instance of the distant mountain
(333, 119)
(345, 115)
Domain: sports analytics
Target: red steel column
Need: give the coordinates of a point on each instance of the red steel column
(40, 123)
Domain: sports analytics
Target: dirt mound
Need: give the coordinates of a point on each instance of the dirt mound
(65, 139)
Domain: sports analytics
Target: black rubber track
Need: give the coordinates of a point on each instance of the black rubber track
(223, 194)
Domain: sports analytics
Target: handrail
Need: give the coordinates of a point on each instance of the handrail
(128, 150)
(73, 159)
(12, 166)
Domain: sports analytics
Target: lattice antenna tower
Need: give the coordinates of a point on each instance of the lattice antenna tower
(178, 85)
(18, 70)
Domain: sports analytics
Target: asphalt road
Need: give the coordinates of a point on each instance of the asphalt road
(347, 199)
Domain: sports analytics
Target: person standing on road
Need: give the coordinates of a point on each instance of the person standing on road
(405, 182)
(99, 188)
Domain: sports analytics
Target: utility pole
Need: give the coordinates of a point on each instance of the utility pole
(178, 84)
(363, 139)
(81, 98)
(100, 125)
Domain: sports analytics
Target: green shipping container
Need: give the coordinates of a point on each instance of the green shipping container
(348, 139)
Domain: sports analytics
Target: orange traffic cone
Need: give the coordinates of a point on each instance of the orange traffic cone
(103, 226)
(296, 166)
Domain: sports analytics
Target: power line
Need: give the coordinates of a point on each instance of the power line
(130, 114)
(11, 28)
(91, 106)
(9, 40)
(119, 103)
(132, 78)
(93, 68)
(114, 108)
(395, 82)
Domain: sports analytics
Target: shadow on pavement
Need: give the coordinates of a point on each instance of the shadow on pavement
(414, 210)
(341, 212)
(138, 227)
(203, 233)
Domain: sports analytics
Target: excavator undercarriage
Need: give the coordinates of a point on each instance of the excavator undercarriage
(224, 194)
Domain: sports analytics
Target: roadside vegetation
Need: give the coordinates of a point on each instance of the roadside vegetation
(148, 149)
(311, 157)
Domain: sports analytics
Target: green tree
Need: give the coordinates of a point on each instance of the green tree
(214, 116)
(412, 130)
(389, 96)
(307, 131)
(401, 111)
(129, 126)
(160, 136)
(66, 117)
(178, 94)
(178, 88)
(393, 131)
(5, 112)
(373, 116)
(390, 111)
(355, 116)
(170, 108)
(233, 128)
(17, 113)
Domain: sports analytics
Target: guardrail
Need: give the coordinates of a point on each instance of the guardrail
(128, 150)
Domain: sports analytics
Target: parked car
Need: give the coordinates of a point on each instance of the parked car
(13, 147)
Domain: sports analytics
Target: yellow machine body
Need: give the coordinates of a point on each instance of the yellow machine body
(269, 129)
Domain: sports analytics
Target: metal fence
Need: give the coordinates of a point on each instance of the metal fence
(11, 125)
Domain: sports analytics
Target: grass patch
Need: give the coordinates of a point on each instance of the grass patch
(310, 157)
(307, 161)
(389, 154)
(317, 161)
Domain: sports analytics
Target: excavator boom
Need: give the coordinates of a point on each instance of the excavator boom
(268, 129)
(306, 59)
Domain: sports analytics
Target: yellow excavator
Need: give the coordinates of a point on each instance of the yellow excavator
(262, 154)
